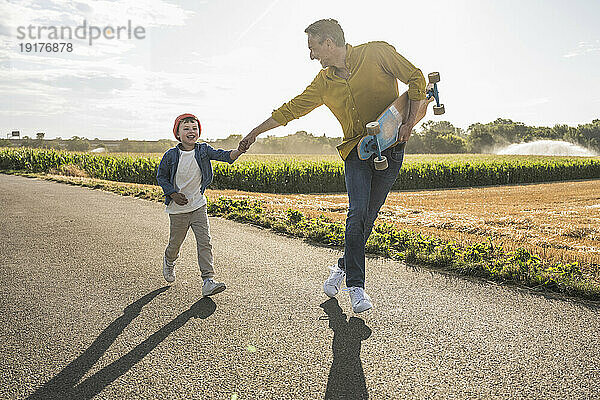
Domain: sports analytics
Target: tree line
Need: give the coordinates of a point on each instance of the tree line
(442, 137)
(439, 137)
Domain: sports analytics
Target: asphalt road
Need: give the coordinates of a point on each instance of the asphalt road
(86, 312)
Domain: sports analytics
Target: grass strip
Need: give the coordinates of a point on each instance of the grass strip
(484, 260)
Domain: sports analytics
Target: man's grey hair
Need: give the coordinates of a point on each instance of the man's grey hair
(327, 28)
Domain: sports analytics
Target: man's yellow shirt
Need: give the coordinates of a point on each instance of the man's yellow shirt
(375, 69)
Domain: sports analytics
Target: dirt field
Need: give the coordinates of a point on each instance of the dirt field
(557, 221)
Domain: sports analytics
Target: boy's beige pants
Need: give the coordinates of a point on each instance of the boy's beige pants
(180, 223)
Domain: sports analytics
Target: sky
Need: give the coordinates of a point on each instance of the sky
(231, 62)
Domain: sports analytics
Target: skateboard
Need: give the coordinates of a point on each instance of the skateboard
(383, 133)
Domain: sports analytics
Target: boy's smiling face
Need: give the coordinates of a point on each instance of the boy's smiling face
(188, 134)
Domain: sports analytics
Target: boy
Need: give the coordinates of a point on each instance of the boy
(184, 173)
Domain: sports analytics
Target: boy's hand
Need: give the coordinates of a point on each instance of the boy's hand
(179, 198)
(235, 153)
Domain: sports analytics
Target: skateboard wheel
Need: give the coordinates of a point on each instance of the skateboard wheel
(434, 77)
(439, 110)
(382, 164)
(373, 128)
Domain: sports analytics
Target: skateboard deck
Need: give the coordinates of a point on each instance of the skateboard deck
(383, 133)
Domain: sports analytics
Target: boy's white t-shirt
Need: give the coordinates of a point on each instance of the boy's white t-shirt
(188, 179)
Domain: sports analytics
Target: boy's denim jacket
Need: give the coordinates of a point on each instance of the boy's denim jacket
(165, 175)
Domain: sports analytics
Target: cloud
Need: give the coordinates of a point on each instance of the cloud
(116, 84)
(106, 81)
(102, 12)
(148, 13)
(584, 48)
(107, 90)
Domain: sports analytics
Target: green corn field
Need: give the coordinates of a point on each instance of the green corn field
(312, 175)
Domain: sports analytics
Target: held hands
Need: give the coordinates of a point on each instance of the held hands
(246, 142)
(179, 198)
(250, 138)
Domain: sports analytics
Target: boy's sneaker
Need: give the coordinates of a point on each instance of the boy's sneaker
(168, 270)
(359, 299)
(211, 287)
(332, 285)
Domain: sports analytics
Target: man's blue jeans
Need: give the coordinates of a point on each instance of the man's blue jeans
(367, 190)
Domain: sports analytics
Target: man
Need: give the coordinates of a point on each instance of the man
(356, 84)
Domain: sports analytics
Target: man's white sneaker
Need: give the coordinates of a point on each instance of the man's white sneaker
(332, 285)
(211, 287)
(168, 270)
(359, 299)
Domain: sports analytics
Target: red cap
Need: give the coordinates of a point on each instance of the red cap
(178, 120)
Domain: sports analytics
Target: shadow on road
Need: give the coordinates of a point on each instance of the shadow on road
(65, 384)
(346, 376)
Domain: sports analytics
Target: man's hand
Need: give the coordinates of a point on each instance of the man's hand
(179, 198)
(404, 132)
(406, 128)
(246, 142)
